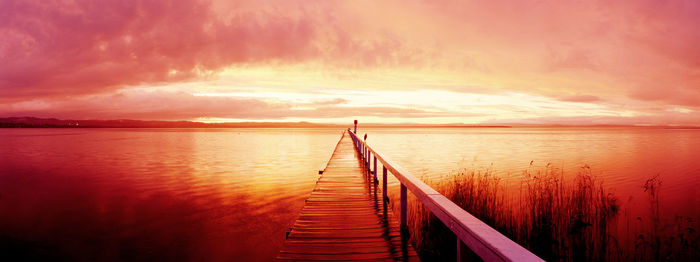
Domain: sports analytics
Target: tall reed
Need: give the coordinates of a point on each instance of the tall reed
(558, 220)
(553, 219)
(664, 237)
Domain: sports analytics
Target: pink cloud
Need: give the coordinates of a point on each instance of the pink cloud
(162, 105)
(624, 46)
(55, 56)
(67, 48)
(64, 48)
(661, 118)
(572, 59)
(686, 93)
(335, 101)
(669, 28)
(580, 98)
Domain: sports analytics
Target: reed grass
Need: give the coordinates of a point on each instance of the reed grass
(661, 240)
(558, 220)
(553, 219)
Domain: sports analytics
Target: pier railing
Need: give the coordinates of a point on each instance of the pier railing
(482, 239)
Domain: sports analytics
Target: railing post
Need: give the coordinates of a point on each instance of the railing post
(369, 159)
(384, 182)
(404, 201)
(375, 168)
(369, 162)
(366, 156)
(459, 249)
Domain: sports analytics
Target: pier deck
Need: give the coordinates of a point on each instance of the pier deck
(345, 217)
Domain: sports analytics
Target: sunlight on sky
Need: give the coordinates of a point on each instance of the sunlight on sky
(441, 106)
(471, 62)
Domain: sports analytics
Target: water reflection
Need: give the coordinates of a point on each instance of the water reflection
(223, 194)
(624, 158)
(155, 194)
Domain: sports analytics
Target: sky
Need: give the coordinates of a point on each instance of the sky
(431, 62)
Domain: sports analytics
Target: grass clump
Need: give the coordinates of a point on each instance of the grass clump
(555, 220)
(558, 220)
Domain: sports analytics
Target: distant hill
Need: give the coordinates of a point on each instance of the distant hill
(33, 122)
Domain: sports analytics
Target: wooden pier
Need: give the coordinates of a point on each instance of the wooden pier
(343, 219)
(347, 217)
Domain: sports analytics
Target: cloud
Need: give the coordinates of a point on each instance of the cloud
(335, 101)
(61, 55)
(669, 28)
(657, 119)
(580, 98)
(65, 48)
(574, 59)
(670, 93)
(544, 47)
(379, 111)
(79, 47)
(164, 105)
(145, 105)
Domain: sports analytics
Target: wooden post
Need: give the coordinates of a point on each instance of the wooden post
(459, 249)
(404, 201)
(365, 159)
(375, 168)
(369, 161)
(384, 182)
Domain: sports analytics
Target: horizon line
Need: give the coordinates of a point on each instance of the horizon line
(30, 121)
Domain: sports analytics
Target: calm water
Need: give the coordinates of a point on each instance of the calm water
(231, 194)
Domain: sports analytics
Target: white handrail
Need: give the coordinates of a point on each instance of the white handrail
(485, 241)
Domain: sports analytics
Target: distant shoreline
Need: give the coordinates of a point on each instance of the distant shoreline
(34, 122)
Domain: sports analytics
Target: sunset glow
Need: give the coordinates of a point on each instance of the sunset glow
(471, 62)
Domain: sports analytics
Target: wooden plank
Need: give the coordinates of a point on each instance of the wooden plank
(342, 220)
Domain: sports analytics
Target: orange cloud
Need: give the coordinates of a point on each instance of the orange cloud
(581, 98)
